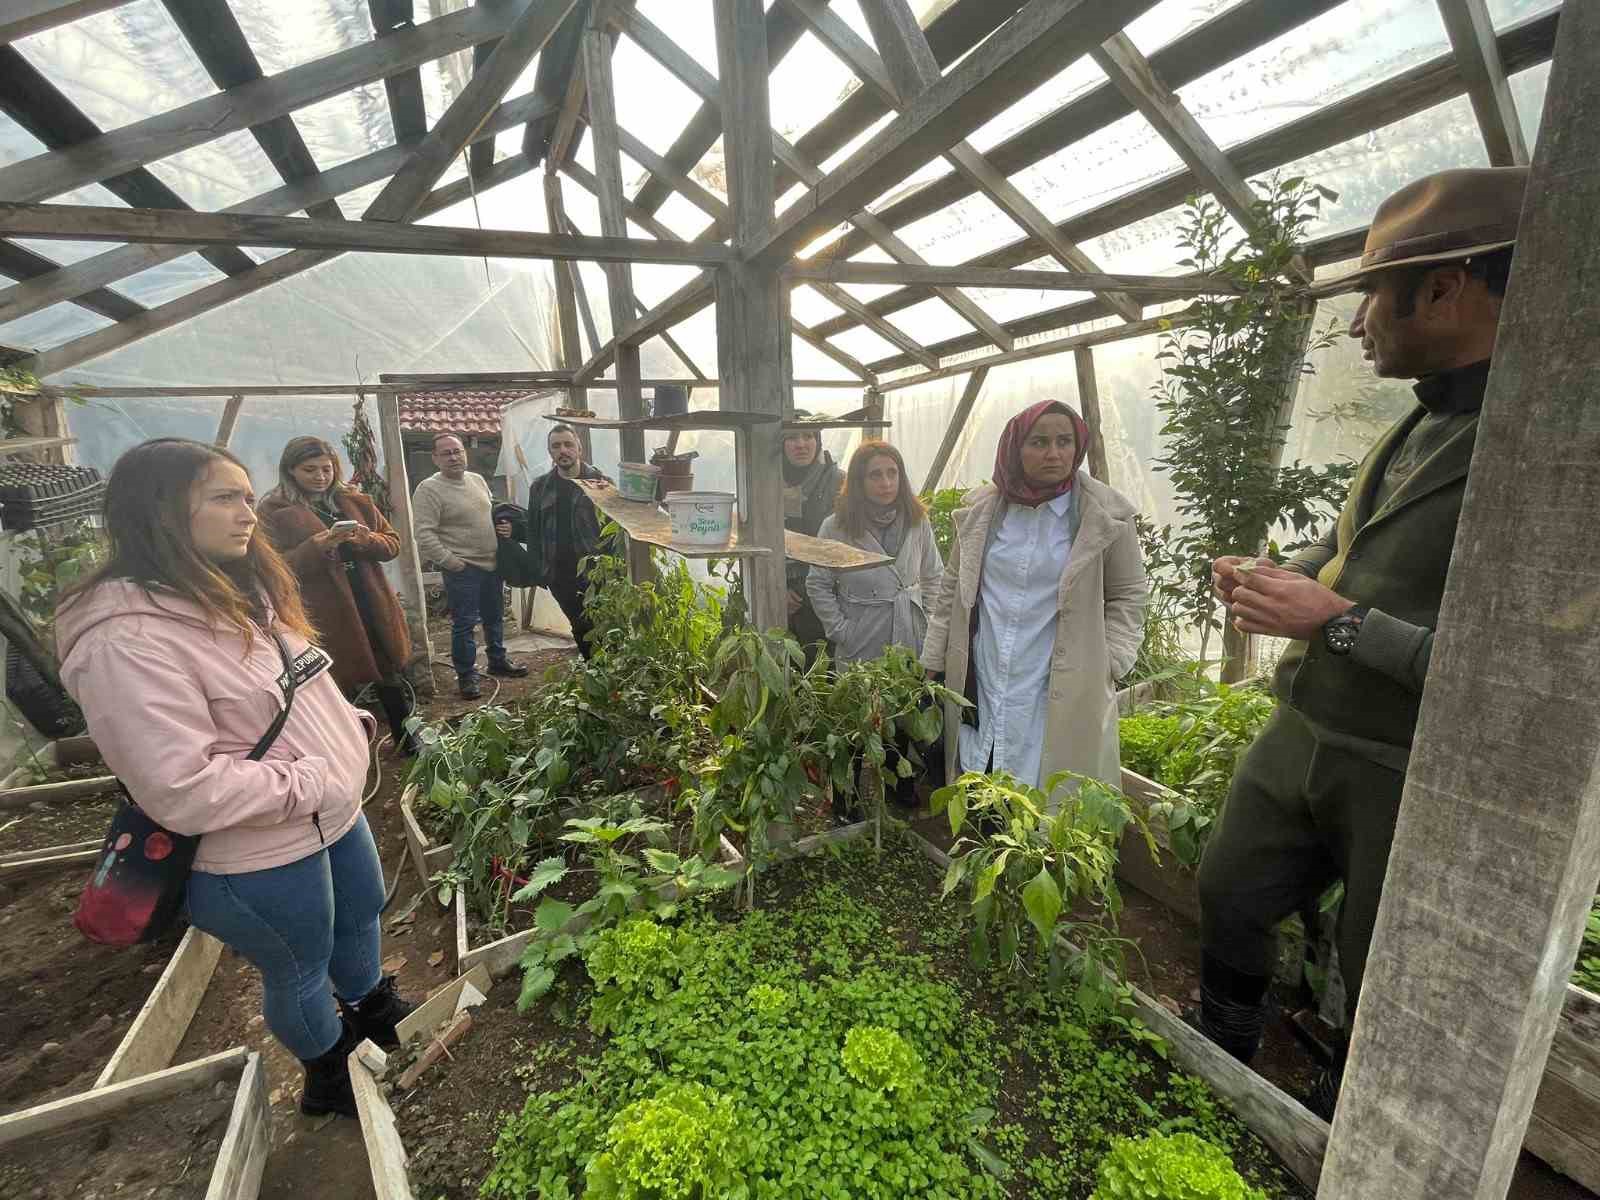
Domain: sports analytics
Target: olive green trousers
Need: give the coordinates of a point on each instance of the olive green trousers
(1299, 816)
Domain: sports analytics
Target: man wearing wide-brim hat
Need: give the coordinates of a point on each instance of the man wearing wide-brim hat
(1315, 798)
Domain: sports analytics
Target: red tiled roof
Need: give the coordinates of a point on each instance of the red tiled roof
(454, 412)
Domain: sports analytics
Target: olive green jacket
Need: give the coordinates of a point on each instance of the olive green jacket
(1394, 561)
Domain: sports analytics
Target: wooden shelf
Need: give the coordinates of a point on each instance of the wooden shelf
(645, 522)
(840, 423)
(23, 444)
(711, 418)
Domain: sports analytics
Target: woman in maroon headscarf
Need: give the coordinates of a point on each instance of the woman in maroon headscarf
(1041, 610)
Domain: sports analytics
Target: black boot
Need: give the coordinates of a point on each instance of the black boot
(397, 707)
(376, 1014)
(1233, 1007)
(1323, 1097)
(327, 1087)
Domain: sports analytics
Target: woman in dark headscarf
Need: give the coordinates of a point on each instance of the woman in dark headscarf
(811, 483)
(1041, 610)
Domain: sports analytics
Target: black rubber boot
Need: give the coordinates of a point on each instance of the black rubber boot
(397, 708)
(376, 1014)
(1323, 1097)
(327, 1087)
(1233, 1007)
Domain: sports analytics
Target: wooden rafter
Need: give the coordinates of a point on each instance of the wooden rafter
(990, 277)
(1522, 46)
(407, 112)
(1478, 54)
(21, 263)
(23, 18)
(698, 79)
(1034, 45)
(1127, 67)
(72, 222)
(954, 427)
(106, 155)
(467, 112)
(906, 69)
(82, 277)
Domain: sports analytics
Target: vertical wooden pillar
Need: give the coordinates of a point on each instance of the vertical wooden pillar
(571, 349)
(597, 46)
(230, 420)
(755, 368)
(409, 565)
(1494, 859)
(1089, 401)
(45, 417)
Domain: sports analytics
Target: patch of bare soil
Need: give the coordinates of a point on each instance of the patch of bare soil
(42, 825)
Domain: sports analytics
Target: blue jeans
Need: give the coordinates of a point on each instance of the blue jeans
(475, 594)
(302, 925)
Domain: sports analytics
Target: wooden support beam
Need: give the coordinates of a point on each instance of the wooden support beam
(121, 150)
(880, 326)
(1156, 286)
(407, 112)
(954, 429)
(81, 278)
(72, 222)
(409, 189)
(1089, 404)
(21, 263)
(570, 350)
(906, 70)
(1097, 337)
(408, 564)
(585, 309)
(1492, 867)
(23, 18)
(230, 419)
(1472, 37)
(1127, 67)
(753, 320)
(849, 362)
(697, 79)
(1035, 44)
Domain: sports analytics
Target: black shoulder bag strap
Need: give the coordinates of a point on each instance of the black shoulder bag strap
(278, 722)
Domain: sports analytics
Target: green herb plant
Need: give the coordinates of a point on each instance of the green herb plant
(941, 506)
(1587, 973)
(1179, 1166)
(1027, 857)
(684, 1143)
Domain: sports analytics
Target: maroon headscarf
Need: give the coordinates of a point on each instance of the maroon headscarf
(1008, 476)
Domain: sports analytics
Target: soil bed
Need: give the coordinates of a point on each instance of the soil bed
(164, 1150)
(43, 824)
(67, 1001)
(889, 919)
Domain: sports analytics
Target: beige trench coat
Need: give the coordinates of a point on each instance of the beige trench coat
(1100, 606)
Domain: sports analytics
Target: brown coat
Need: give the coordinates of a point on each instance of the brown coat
(359, 657)
(1100, 601)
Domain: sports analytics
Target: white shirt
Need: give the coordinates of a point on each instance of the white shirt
(1017, 611)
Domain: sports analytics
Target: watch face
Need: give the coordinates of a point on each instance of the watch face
(1341, 635)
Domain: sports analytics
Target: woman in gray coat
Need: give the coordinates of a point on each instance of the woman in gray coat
(865, 612)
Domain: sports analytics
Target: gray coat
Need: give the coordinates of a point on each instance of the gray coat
(865, 612)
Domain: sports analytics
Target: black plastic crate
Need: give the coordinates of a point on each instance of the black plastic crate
(35, 494)
(47, 707)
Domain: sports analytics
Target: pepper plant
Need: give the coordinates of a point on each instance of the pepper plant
(1027, 857)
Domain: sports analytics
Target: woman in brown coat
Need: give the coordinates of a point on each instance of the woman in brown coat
(334, 538)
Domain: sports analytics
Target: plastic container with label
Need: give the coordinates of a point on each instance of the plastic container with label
(701, 518)
(637, 481)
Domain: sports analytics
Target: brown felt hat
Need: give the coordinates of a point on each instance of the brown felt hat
(1440, 218)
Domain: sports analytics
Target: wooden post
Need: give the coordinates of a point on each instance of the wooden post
(1089, 401)
(1493, 863)
(412, 597)
(952, 431)
(230, 419)
(45, 417)
(872, 410)
(753, 339)
(571, 349)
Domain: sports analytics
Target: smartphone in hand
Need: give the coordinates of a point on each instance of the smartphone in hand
(345, 526)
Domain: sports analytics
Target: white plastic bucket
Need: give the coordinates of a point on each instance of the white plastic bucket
(701, 518)
(637, 481)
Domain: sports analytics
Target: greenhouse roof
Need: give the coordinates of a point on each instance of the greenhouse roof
(1073, 157)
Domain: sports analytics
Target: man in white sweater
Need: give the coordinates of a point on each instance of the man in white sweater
(452, 516)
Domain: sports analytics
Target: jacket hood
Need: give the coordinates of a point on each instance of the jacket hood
(122, 600)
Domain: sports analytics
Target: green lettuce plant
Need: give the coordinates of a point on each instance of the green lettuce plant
(635, 962)
(1180, 1166)
(684, 1143)
(879, 1058)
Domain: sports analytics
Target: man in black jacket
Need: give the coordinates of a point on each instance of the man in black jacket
(563, 529)
(811, 483)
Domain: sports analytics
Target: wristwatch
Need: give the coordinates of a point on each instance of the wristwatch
(1340, 633)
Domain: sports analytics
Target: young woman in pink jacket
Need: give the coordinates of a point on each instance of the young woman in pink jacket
(167, 649)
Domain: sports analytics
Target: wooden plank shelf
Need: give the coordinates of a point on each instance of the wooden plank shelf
(646, 522)
(708, 418)
(835, 423)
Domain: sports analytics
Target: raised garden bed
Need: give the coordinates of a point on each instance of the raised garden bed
(201, 1131)
(72, 768)
(164, 1020)
(846, 940)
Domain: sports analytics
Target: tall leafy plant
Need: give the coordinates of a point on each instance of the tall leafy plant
(1226, 375)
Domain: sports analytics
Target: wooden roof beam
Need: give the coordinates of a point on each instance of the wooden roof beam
(698, 79)
(21, 263)
(906, 70)
(880, 274)
(225, 291)
(105, 155)
(407, 112)
(1478, 58)
(467, 112)
(83, 277)
(23, 18)
(1034, 45)
(1133, 76)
